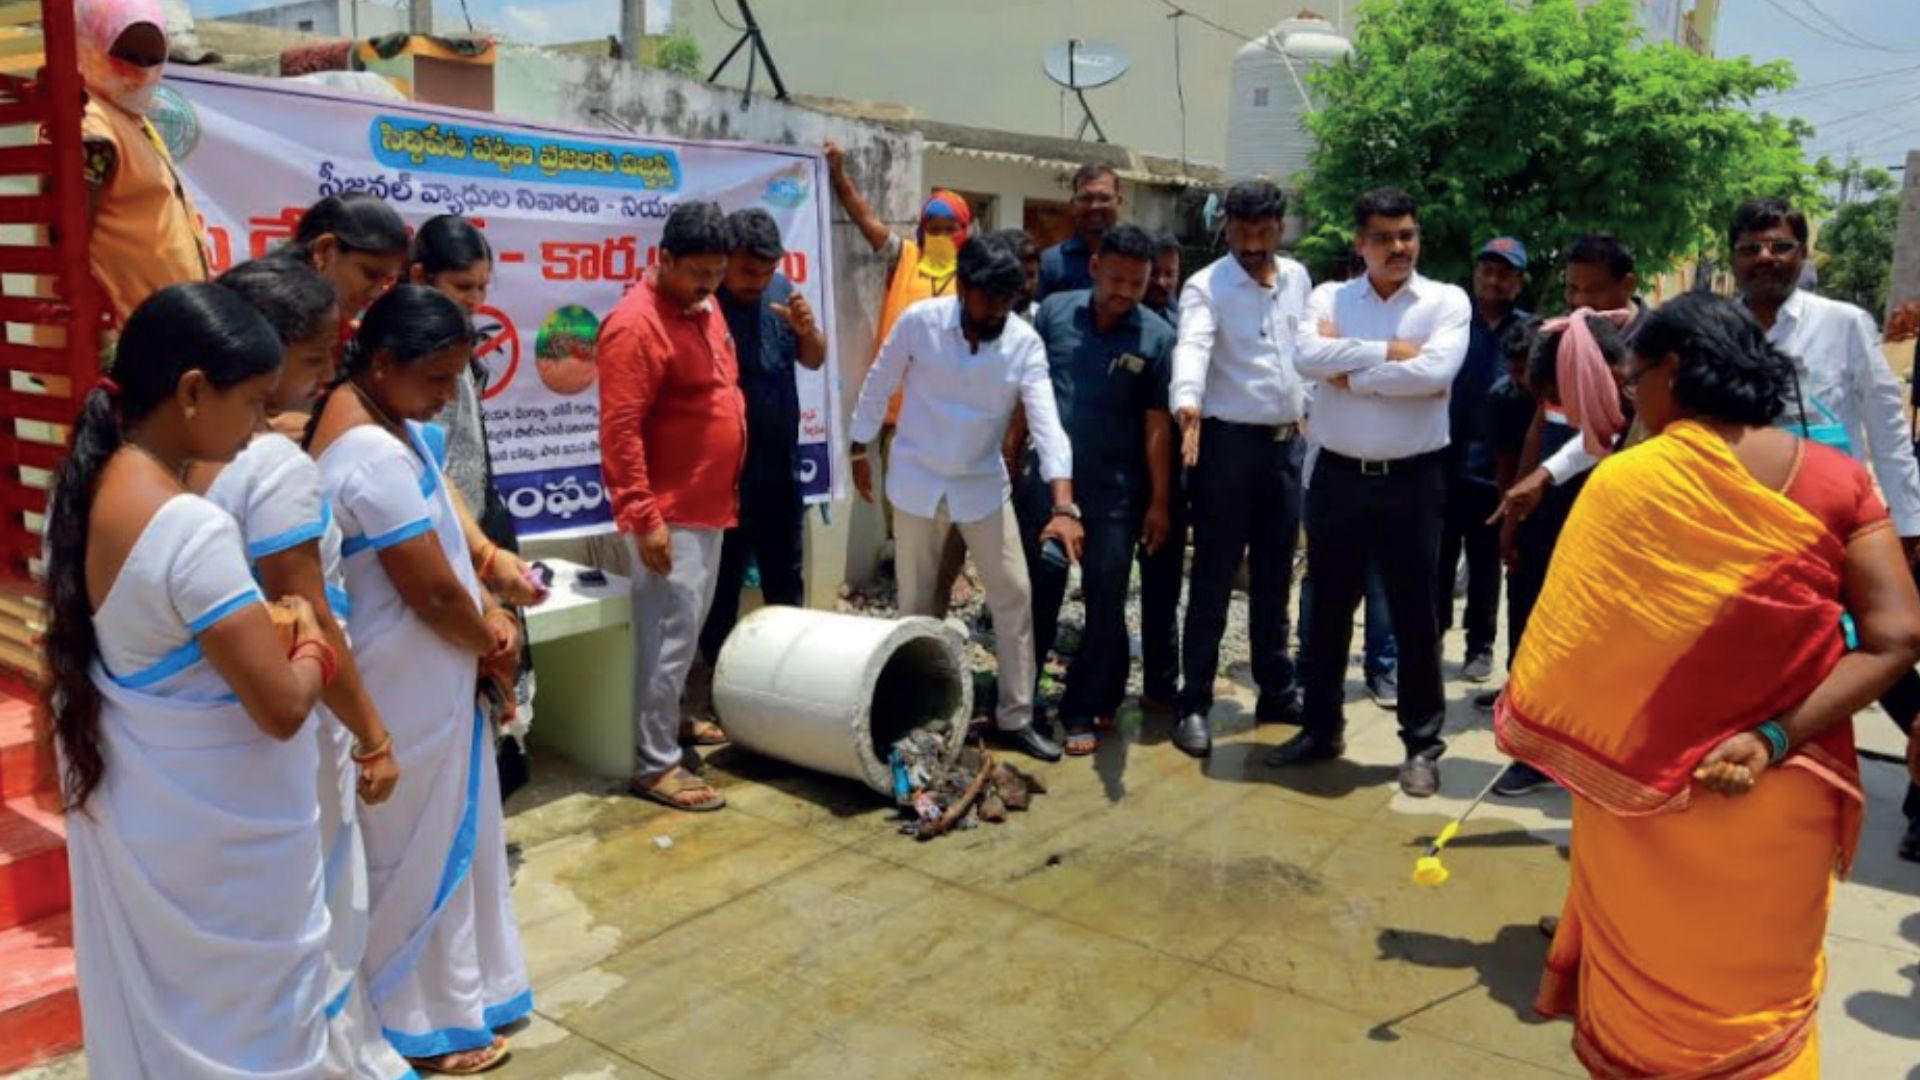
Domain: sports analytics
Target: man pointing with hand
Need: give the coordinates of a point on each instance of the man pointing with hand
(1239, 401)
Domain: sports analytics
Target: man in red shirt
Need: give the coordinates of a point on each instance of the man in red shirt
(673, 436)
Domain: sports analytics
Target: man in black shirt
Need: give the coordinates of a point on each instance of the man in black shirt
(773, 328)
(1472, 495)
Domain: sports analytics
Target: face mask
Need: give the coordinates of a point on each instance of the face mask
(129, 86)
(939, 257)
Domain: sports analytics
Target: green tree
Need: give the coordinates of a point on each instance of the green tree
(1543, 121)
(1855, 245)
(678, 54)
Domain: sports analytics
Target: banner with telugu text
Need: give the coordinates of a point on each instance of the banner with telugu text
(574, 218)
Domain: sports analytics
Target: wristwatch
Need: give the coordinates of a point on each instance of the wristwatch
(1071, 510)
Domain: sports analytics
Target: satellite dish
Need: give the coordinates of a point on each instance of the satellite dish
(1084, 65)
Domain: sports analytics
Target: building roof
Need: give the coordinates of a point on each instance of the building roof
(1043, 151)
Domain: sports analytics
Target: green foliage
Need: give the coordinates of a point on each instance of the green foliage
(1544, 122)
(679, 54)
(1855, 245)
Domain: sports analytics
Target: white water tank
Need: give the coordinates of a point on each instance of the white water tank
(1266, 118)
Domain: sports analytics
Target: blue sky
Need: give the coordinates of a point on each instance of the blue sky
(1858, 60)
(1859, 68)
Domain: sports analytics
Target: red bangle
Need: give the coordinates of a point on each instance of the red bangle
(486, 564)
(322, 654)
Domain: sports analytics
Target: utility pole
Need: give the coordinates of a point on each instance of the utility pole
(633, 28)
(420, 16)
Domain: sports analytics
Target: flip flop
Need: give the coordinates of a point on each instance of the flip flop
(702, 733)
(492, 1057)
(678, 782)
(1081, 742)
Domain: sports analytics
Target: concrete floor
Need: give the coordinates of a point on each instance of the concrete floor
(1152, 917)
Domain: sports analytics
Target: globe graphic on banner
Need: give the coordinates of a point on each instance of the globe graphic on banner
(173, 116)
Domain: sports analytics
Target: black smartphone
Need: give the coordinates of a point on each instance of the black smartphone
(591, 577)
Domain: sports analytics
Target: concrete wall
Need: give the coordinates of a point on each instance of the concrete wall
(1905, 285)
(978, 62)
(1014, 183)
(533, 84)
(327, 18)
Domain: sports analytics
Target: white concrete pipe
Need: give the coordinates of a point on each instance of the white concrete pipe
(834, 692)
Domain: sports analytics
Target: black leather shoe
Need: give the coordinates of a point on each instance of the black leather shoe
(1910, 843)
(1030, 742)
(1194, 735)
(1306, 748)
(1279, 707)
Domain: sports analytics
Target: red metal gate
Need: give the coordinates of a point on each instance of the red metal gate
(48, 301)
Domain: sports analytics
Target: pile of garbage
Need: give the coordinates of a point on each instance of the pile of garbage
(937, 798)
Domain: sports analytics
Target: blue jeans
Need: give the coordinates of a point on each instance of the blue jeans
(1379, 654)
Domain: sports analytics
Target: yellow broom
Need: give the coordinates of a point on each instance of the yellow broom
(1429, 870)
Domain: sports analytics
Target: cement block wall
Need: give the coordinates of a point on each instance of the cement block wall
(1905, 285)
(581, 91)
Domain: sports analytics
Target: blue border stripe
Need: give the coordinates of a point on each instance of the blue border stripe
(339, 601)
(354, 545)
(292, 538)
(510, 1011)
(173, 663)
(189, 654)
(455, 1039)
(339, 1002)
(461, 858)
(459, 862)
(224, 609)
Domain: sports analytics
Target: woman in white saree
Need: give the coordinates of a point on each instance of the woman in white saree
(443, 965)
(273, 490)
(179, 702)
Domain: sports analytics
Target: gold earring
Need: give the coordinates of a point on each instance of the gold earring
(190, 411)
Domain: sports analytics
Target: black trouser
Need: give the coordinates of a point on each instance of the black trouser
(1097, 675)
(1390, 513)
(1246, 501)
(1902, 702)
(1534, 540)
(1161, 575)
(1469, 504)
(771, 521)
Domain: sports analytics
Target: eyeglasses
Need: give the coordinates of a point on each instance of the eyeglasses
(1630, 380)
(1779, 249)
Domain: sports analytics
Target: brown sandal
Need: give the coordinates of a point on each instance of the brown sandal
(473, 1063)
(671, 788)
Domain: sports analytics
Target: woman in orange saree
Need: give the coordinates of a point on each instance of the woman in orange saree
(1687, 678)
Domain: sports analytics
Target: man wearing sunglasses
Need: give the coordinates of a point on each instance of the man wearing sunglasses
(1849, 393)
(1067, 266)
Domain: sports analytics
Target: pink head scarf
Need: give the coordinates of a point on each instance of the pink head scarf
(99, 25)
(1587, 389)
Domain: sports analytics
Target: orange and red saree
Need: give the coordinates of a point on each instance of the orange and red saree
(1687, 602)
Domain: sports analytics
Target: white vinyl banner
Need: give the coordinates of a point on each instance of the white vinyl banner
(574, 218)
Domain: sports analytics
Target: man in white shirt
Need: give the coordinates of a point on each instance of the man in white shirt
(1239, 400)
(966, 363)
(1852, 399)
(1384, 349)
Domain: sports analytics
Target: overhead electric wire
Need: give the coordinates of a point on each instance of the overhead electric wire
(1864, 43)
(1829, 35)
(1264, 40)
